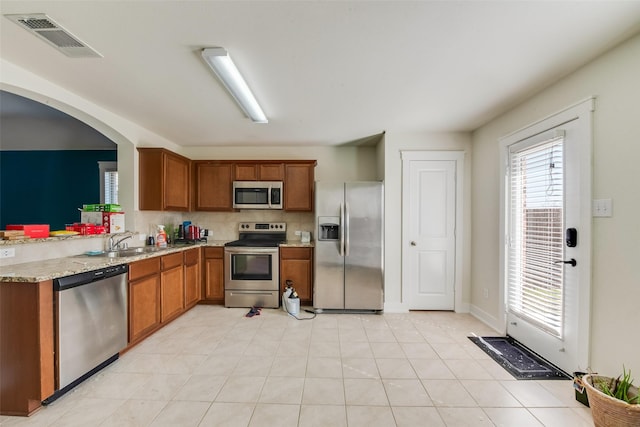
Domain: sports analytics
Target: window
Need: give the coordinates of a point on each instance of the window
(536, 237)
(108, 182)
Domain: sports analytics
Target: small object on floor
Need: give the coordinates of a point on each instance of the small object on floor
(255, 311)
(518, 360)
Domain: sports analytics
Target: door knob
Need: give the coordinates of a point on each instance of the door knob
(413, 243)
(572, 261)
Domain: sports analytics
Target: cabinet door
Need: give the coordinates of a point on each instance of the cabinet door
(214, 186)
(192, 284)
(298, 187)
(246, 172)
(296, 265)
(164, 179)
(144, 306)
(176, 183)
(171, 293)
(271, 171)
(150, 178)
(214, 275)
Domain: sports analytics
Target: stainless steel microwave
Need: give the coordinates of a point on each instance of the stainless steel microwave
(257, 194)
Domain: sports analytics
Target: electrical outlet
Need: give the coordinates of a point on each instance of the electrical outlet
(7, 253)
(297, 232)
(485, 293)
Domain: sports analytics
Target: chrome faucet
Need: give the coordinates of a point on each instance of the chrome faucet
(115, 245)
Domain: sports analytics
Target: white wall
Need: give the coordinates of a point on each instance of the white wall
(120, 130)
(345, 163)
(614, 80)
(393, 144)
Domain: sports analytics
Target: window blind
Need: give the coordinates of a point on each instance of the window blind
(111, 187)
(534, 275)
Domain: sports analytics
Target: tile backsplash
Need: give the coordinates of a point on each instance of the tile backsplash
(224, 225)
(221, 225)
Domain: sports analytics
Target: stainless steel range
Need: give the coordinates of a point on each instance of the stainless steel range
(251, 265)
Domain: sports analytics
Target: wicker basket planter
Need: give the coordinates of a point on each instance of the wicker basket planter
(608, 411)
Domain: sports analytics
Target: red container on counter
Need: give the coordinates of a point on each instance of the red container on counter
(31, 230)
(86, 228)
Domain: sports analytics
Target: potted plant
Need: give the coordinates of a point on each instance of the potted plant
(614, 402)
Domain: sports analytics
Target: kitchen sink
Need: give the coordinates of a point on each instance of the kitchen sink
(122, 253)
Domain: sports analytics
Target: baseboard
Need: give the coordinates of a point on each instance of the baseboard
(487, 319)
(395, 307)
(463, 308)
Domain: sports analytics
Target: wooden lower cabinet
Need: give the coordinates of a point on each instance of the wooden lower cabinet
(213, 275)
(192, 283)
(296, 264)
(171, 286)
(26, 346)
(144, 298)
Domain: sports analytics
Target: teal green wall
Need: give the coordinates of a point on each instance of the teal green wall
(48, 187)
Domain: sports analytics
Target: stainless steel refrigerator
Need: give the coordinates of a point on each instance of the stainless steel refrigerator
(349, 246)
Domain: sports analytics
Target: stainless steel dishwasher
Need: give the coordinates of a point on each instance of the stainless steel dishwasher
(91, 323)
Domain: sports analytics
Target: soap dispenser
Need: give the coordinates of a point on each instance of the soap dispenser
(161, 237)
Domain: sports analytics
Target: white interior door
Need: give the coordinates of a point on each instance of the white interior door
(546, 277)
(429, 230)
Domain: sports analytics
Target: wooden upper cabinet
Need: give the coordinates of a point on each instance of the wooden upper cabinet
(298, 186)
(262, 171)
(271, 171)
(214, 186)
(164, 179)
(245, 172)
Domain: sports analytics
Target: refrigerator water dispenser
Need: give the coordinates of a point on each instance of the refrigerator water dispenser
(329, 229)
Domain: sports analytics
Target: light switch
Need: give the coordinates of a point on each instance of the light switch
(602, 208)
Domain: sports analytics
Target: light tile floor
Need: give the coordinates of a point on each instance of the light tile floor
(215, 367)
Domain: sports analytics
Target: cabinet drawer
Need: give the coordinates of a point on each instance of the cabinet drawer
(191, 256)
(170, 261)
(144, 268)
(213, 252)
(295, 253)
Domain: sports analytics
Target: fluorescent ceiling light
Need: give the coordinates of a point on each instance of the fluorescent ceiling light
(222, 65)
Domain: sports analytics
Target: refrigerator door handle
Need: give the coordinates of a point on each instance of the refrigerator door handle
(346, 231)
(341, 244)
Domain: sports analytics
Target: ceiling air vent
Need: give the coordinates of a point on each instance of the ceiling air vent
(48, 30)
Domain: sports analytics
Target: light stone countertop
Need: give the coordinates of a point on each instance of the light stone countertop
(296, 244)
(39, 271)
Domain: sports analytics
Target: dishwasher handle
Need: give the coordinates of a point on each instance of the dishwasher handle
(68, 282)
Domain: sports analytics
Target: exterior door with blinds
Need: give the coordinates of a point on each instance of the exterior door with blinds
(545, 289)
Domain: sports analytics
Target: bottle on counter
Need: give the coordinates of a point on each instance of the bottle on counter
(161, 237)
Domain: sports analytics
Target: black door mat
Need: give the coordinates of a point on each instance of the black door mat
(518, 360)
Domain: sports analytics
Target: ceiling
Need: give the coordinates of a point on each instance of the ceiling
(326, 73)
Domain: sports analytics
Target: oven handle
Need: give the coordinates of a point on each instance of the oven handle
(249, 250)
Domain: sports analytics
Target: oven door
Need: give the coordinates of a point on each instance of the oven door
(253, 269)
